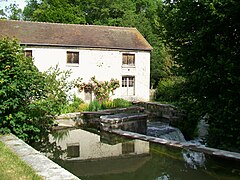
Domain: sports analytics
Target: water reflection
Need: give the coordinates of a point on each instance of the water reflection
(83, 145)
(107, 156)
(194, 159)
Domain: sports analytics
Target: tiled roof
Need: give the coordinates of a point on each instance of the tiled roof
(90, 36)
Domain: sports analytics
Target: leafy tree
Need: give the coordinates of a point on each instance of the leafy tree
(15, 13)
(204, 38)
(29, 99)
(11, 12)
(52, 11)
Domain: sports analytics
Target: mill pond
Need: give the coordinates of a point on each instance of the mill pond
(102, 155)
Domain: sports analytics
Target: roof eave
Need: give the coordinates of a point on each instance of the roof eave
(87, 46)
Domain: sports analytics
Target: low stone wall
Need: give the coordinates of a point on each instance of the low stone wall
(165, 112)
(128, 122)
(184, 145)
(43, 166)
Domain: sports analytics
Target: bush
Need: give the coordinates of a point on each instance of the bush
(29, 99)
(99, 105)
(121, 103)
(73, 106)
(94, 106)
(169, 89)
(108, 105)
(83, 107)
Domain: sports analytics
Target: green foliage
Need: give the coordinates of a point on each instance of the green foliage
(21, 85)
(121, 103)
(204, 39)
(11, 12)
(94, 106)
(28, 98)
(73, 106)
(168, 89)
(57, 88)
(102, 105)
(108, 105)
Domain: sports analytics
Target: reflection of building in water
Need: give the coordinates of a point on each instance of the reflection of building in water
(82, 145)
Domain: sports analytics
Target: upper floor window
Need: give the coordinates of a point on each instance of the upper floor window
(72, 57)
(28, 53)
(128, 59)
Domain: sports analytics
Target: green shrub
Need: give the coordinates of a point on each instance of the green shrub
(121, 103)
(83, 107)
(98, 105)
(73, 106)
(169, 89)
(108, 104)
(29, 99)
(94, 106)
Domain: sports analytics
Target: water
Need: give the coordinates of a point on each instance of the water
(164, 131)
(111, 157)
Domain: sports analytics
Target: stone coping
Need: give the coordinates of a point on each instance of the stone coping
(122, 117)
(43, 166)
(187, 145)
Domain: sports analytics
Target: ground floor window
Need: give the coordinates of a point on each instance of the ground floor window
(128, 85)
(128, 147)
(73, 150)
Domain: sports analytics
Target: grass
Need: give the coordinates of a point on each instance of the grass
(12, 167)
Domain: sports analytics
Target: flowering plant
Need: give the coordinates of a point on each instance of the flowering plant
(101, 89)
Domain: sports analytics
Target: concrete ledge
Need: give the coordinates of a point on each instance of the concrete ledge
(199, 148)
(40, 163)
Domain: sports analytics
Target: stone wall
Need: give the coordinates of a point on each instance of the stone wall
(164, 112)
(127, 122)
(92, 118)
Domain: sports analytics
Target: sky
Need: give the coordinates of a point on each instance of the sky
(4, 3)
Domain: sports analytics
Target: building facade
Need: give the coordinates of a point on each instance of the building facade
(101, 51)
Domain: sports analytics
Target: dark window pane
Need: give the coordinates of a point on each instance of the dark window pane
(124, 81)
(128, 147)
(128, 59)
(73, 57)
(28, 53)
(73, 151)
(131, 81)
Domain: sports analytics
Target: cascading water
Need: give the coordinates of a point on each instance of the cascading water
(164, 131)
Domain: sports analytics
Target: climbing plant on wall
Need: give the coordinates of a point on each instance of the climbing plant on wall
(101, 89)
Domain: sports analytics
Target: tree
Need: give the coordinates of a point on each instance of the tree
(204, 38)
(11, 12)
(29, 99)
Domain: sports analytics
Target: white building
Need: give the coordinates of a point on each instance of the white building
(88, 50)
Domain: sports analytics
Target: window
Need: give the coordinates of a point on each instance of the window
(28, 53)
(131, 81)
(128, 147)
(128, 59)
(72, 57)
(73, 150)
(128, 81)
(128, 85)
